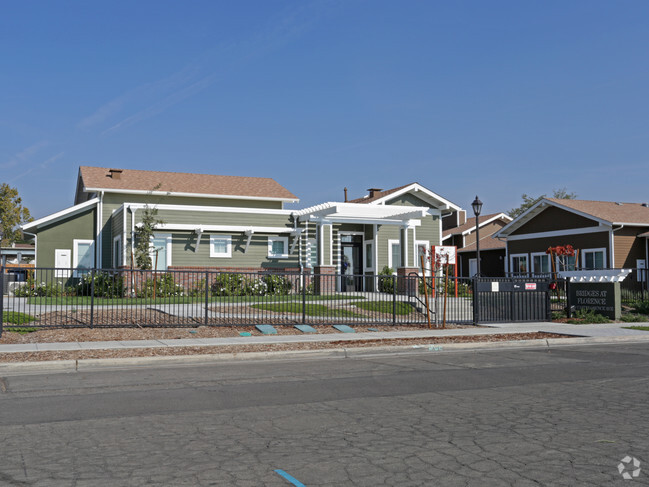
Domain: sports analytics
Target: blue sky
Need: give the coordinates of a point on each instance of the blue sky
(494, 98)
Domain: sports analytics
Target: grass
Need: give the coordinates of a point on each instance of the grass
(86, 300)
(385, 307)
(16, 318)
(634, 318)
(311, 309)
(642, 328)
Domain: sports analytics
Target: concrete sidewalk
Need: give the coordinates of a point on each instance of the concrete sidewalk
(609, 330)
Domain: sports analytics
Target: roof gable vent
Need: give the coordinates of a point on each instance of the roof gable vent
(115, 173)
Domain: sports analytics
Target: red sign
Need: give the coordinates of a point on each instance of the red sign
(530, 286)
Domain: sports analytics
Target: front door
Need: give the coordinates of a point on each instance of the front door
(351, 263)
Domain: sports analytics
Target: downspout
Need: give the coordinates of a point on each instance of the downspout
(299, 244)
(98, 239)
(132, 210)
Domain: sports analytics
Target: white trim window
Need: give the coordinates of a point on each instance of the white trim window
(593, 259)
(221, 246)
(368, 258)
(540, 263)
(117, 252)
(394, 254)
(518, 264)
(162, 243)
(278, 247)
(422, 247)
(83, 255)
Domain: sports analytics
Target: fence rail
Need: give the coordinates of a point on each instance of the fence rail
(55, 297)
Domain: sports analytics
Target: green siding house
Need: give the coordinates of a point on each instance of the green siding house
(238, 224)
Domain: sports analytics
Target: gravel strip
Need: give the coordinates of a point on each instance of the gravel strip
(230, 349)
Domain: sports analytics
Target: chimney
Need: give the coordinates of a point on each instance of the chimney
(115, 173)
(373, 191)
(345, 195)
(461, 217)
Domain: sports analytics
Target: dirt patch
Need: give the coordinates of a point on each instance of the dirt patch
(101, 334)
(243, 348)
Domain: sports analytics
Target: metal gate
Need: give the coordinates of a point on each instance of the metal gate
(511, 299)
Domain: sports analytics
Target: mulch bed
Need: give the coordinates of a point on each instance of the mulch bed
(243, 348)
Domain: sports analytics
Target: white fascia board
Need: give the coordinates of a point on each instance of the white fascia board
(624, 224)
(559, 233)
(367, 221)
(222, 228)
(344, 211)
(213, 209)
(191, 195)
(445, 204)
(523, 218)
(447, 237)
(60, 214)
(486, 222)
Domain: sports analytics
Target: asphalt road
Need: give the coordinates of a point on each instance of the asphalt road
(512, 417)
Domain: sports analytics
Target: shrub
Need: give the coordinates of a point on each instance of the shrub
(228, 285)
(255, 287)
(634, 318)
(386, 280)
(30, 289)
(106, 285)
(587, 316)
(165, 287)
(642, 307)
(277, 285)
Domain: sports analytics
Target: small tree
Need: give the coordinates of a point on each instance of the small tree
(143, 236)
(12, 214)
(529, 201)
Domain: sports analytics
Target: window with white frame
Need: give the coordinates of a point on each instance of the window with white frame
(220, 245)
(160, 251)
(566, 262)
(84, 254)
(394, 254)
(277, 247)
(540, 263)
(369, 254)
(117, 251)
(423, 247)
(593, 258)
(519, 264)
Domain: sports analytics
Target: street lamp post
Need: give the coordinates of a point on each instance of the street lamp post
(477, 208)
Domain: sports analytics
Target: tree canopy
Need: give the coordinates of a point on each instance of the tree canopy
(12, 214)
(529, 201)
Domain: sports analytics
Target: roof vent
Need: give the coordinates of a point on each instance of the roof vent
(373, 191)
(115, 173)
(618, 203)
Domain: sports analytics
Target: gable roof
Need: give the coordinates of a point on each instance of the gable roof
(488, 243)
(469, 226)
(94, 179)
(607, 213)
(380, 197)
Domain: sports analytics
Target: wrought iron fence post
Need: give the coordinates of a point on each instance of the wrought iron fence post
(568, 304)
(207, 294)
(395, 283)
(92, 298)
(303, 298)
(2, 298)
(476, 302)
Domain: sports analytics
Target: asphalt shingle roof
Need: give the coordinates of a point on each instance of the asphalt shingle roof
(179, 182)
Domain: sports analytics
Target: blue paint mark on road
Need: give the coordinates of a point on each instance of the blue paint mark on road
(290, 478)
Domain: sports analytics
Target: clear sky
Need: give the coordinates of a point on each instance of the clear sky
(495, 98)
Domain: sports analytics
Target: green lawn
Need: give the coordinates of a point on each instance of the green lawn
(385, 307)
(312, 309)
(642, 328)
(86, 300)
(16, 318)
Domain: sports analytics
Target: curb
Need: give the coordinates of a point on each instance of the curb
(344, 353)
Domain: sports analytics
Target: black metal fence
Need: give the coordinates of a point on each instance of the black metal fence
(512, 299)
(634, 288)
(54, 297)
